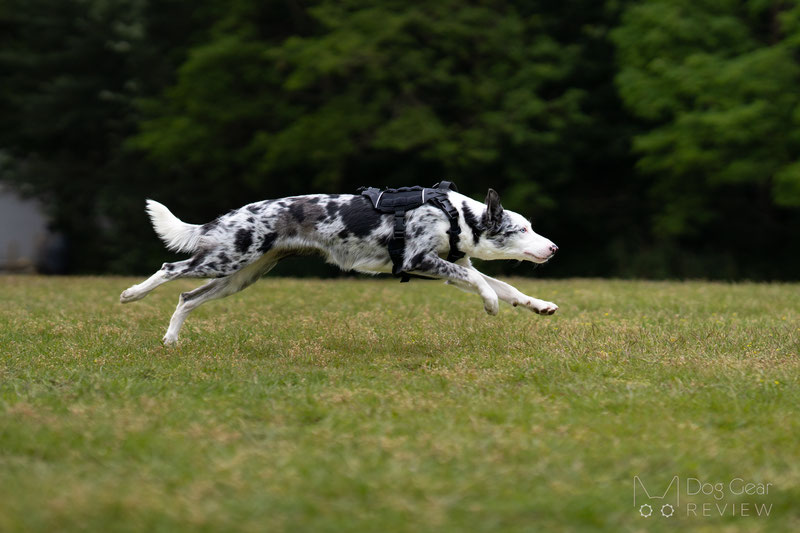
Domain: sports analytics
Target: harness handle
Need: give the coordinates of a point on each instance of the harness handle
(449, 185)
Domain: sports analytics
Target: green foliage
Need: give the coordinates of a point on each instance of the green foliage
(646, 138)
(717, 81)
(429, 90)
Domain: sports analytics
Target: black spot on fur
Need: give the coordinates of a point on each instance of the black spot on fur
(266, 244)
(223, 259)
(251, 219)
(359, 217)
(418, 260)
(305, 212)
(332, 208)
(197, 260)
(296, 210)
(504, 232)
(243, 240)
(344, 234)
(255, 208)
(423, 262)
(473, 223)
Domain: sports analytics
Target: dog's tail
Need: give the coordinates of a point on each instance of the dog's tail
(176, 234)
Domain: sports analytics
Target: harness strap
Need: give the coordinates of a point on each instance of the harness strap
(399, 202)
(455, 229)
(397, 245)
(399, 225)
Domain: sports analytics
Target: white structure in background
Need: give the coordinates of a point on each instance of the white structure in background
(23, 231)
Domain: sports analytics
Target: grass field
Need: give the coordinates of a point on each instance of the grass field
(367, 405)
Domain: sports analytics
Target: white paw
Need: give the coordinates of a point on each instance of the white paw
(492, 306)
(130, 295)
(170, 340)
(539, 307)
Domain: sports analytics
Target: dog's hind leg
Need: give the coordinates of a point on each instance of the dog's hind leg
(139, 291)
(214, 289)
(195, 267)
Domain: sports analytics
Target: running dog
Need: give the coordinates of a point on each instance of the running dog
(238, 248)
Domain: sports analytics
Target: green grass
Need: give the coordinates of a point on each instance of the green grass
(307, 405)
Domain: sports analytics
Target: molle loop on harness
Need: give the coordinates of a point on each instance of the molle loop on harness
(399, 201)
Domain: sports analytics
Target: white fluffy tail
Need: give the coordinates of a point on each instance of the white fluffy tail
(177, 235)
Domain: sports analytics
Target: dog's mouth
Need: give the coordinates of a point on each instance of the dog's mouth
(538, 259)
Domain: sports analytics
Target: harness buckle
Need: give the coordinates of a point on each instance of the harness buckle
(399, 225)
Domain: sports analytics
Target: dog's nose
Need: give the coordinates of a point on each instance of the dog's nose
(553, 249)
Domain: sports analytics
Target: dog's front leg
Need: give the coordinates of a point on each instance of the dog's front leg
(508, 293)
(512, 295)
(434, 266)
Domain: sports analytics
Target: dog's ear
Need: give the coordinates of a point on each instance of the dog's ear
(493, 216)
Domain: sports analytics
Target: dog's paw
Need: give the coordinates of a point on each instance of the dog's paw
(170, 340)
(545, 308)
(492, 306)
(540, 307)
(130, 295)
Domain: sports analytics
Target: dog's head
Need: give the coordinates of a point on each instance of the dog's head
(509, 235)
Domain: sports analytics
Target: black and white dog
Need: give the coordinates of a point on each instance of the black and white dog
(238, 248)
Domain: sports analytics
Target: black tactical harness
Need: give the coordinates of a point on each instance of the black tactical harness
(400, 201)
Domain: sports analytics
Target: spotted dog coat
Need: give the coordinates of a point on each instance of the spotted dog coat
(239, 247)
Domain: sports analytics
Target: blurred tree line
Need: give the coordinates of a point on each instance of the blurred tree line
(647, 138)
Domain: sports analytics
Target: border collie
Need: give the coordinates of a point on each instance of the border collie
(238, 248)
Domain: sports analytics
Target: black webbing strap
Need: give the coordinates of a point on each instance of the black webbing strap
(455, 230)
(397, 248)
(399, 202)
(397, 244)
